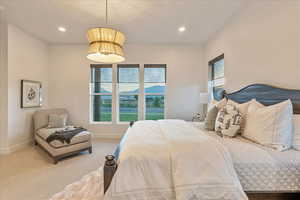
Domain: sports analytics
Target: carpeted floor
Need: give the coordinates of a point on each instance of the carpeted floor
(29, 174)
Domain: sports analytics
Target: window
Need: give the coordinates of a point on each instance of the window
(217, 79)
(128, 92)
(154, 90)
(101, 93)
(121, 93)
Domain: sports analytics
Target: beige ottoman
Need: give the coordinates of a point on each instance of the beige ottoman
(56, 149)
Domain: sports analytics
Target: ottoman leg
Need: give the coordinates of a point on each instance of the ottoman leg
(90, 150)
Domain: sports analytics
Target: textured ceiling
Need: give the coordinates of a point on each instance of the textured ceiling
(143, 21)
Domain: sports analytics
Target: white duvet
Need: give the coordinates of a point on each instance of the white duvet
(165, 160)
(90, 187)
(170, 159)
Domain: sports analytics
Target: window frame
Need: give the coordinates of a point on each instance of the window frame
(212, 79)
(117, 100)
(92, 94)
(154, 94)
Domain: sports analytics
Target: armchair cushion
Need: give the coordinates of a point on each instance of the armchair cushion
(57, 121)
(44, 133)
(41, 117)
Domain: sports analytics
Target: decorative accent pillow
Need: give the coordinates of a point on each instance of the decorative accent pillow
(270, 125)
(243, 109)
(57, 121)
(210, 118)
(212, 112)
(296, 138)
(228, 121)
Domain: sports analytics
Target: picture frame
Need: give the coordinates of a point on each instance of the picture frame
(31, 94)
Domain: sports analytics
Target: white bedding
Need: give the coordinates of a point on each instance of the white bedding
(90, 187)
(258, 168)
(170, 159)
(261, 168)
(264, 169)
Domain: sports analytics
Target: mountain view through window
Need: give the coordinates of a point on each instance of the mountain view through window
(128, 92)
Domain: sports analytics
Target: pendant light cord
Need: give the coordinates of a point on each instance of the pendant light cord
(106, 12)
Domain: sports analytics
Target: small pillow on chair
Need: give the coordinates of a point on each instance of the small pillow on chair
(228, 121)
(57, 121)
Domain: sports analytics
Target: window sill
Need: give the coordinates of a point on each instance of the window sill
(123, 123)
(109, 123)
(101, 123)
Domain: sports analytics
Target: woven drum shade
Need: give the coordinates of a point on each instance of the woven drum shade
(106, 45)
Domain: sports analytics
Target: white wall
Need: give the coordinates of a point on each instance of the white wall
(27, 59)
(70, 76)
(261, 45)
(3, 81)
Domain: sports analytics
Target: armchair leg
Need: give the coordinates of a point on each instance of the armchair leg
(90, 150)
(55, 161)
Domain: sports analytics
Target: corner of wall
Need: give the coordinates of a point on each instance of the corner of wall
(12, 136)
(3, 81)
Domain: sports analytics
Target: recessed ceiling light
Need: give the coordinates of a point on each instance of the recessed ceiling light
(182, 29)
(62, 29)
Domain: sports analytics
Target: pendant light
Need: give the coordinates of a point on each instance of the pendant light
(105, 44)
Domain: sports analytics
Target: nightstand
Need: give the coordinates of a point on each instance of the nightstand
(198, 117)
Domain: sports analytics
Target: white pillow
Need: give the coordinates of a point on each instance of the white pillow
(296, 138)
(255, 104)
(270, 125)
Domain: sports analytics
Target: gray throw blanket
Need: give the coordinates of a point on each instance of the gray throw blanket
(65, 135)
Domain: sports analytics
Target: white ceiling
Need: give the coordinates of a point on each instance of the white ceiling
(143, 21)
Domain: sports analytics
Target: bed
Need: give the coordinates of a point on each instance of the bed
(261, 169)
(263, 173)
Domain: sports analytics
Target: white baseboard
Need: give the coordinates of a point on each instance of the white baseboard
(15, 147)
(26, 143)
(4, 150)
(107, 136)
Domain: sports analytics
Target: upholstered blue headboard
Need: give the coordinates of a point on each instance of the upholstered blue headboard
(265, 94)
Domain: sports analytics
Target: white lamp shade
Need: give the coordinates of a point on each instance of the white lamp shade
(204, 97)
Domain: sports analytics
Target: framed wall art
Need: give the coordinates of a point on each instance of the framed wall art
(31, 94)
